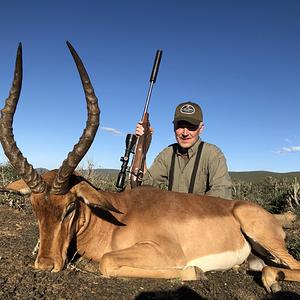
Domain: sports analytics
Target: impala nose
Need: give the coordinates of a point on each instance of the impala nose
(45, 264)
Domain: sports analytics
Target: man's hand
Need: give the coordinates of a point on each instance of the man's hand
(140, 129)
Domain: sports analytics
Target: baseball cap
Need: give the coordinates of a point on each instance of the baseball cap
(190, 112)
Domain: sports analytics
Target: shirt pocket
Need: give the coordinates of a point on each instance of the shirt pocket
(201, 182)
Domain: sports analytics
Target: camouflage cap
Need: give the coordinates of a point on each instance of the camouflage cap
(190, 112)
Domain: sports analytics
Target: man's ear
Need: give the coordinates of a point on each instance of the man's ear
(92, 197)
(18, 187)
(201, 127)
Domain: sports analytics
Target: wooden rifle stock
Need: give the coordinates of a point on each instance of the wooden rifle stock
(141, 148)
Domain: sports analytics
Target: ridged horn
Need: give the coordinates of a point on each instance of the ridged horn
(14, 155)
(61, 182)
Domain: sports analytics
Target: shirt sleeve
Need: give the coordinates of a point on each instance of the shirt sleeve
(219, 180)
(158, 172)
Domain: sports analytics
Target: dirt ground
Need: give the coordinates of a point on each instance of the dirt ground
(82, 280)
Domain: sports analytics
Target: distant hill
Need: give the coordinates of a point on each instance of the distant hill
(260, 175)
(111, 172)
(41, 170)
(245, 176)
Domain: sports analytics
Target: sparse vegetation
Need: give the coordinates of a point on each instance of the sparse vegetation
(7, 175)
(276, 195)
(293, 246)
(102, 181)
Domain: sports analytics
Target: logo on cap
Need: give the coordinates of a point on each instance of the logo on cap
(187, 109)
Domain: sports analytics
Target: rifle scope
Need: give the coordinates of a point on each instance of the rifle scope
(130, 142)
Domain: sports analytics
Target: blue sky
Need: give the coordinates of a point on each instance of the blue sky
(239, 60)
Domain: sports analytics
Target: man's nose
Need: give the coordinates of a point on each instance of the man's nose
(185, 131)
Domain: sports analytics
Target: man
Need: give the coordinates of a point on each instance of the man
(190, 165)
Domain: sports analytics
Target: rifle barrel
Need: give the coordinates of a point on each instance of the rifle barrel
(153, 78)
(148, 99)
(156, 65)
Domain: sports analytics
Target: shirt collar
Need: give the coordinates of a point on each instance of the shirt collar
(192, 150)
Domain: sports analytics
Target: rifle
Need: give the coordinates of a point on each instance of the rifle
(141, 143)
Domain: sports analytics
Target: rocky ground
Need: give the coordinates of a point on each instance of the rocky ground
(82, 280)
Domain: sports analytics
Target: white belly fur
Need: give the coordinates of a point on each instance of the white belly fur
(223, 261)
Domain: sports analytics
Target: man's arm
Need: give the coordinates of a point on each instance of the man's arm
(159, 170)
(219, 180)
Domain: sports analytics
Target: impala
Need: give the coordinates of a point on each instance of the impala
(143, 232)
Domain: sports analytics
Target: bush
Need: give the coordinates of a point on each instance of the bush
(7, 175)
(273, 194)
(293, 246)
(104, 182)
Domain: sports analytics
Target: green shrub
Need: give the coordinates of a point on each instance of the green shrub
(271, 193)
(293, 246)
(102, 181)
(7, 175)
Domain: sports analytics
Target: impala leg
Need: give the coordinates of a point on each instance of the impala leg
(271, 276)
(125, 271)
(146, 259)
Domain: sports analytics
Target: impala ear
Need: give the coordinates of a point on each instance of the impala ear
(18, 187)
(92, 197)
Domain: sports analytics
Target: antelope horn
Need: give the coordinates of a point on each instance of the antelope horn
(14, 155)
(61, 182)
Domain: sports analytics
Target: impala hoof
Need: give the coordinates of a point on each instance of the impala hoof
(45, 265)
(275, 287)
(200, 274)
(241, 270)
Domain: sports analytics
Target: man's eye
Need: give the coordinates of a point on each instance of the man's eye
(189, 128)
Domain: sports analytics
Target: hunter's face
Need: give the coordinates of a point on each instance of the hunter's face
(186, 133)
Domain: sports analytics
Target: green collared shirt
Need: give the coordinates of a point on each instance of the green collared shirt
(212, 175)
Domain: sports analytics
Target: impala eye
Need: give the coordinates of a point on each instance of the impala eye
(68, 212)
